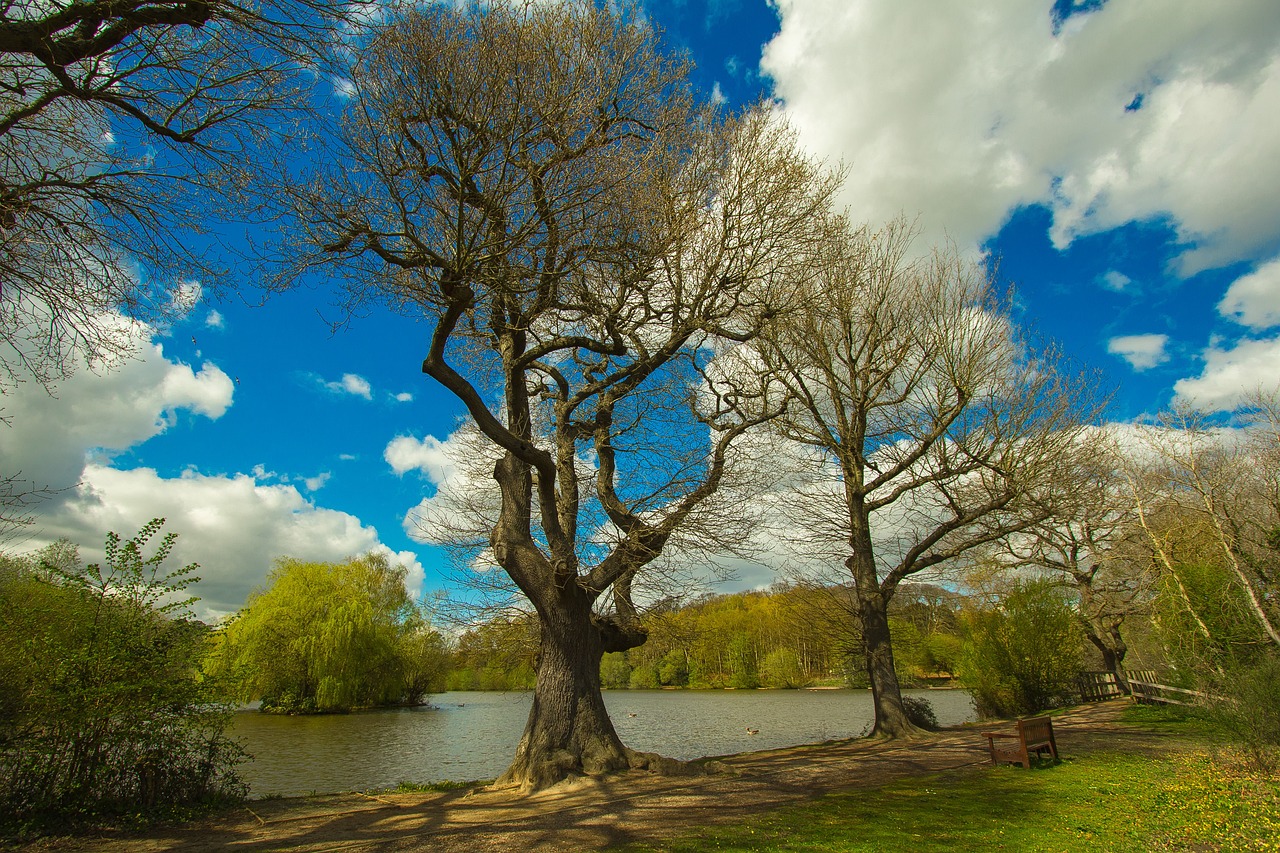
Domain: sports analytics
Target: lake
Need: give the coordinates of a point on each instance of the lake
(464, 736)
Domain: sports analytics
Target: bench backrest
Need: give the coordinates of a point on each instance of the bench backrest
(1035, 730)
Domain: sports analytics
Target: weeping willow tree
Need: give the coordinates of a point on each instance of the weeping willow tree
(327, 637)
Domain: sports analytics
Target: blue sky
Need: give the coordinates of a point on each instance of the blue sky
(1119, 160)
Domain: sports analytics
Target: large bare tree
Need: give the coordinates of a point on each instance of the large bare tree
(585, 241)
(930, 425)
(1227, 483)
(116, 117)
(1089, 541)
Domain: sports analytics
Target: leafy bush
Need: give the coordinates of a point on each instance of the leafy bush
(920, 712)
(106, 713)
(1024, 655)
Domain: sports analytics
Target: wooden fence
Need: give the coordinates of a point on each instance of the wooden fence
(1143, 687)
(1100, 686)
(1153, 693)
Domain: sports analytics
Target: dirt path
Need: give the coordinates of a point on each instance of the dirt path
(629, 808)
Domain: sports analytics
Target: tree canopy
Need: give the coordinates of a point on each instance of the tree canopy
(329, 637)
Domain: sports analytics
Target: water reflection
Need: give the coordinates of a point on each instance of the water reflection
(465, 735)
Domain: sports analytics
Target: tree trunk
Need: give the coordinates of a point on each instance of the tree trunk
(1113, 650)
(877, 644)
(886, 694)
(569, 732)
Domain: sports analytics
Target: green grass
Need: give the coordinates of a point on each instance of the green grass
(427, 787)
(1102, 802)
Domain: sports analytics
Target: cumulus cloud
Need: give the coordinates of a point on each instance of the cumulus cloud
(965, 111)
(105, 412)
(464, 503)
(233, 526)
(1143, 352)
(1230, 374)
(404, 397)
(215, 320)
(1254, 300)
(430, 456)
(353, 384)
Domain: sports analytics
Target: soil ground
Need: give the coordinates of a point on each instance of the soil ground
(628, 808)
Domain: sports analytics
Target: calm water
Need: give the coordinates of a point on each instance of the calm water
(465, 736)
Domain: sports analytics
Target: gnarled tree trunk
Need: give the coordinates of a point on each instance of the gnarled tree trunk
(569, 732)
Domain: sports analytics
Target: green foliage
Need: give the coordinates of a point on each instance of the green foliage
(644, 677)
(1248, 709)
(743, 668)
(786, 637)
(1198, 597)
(781, 669)
(104, 712)
(496, 655)
(920, 712)
(673, 670)
(615, 672)
(327, 637)
(1023, 655)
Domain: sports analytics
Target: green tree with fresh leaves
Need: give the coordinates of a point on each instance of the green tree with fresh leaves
(329, 637)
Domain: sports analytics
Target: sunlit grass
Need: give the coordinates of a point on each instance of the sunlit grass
(429, 787)
(1101, 802)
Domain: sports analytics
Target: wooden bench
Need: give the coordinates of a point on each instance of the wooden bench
(1035, 735)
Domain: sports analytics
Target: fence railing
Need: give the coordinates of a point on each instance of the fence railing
(1153, 693)
(1143, 686)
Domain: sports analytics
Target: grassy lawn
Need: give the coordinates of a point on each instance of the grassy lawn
(1204, 800)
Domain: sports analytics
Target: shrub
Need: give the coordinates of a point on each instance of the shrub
(1248, 707)
(107, 715)
(920, 712)
(1024, 655)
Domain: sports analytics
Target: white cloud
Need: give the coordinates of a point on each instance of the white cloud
(215, 320)
(316, 483)
(1116, 281)
(353, 384)
(431, 456)
(461, 469)
(964, 111)
(233, 526)
(1254, 300)
(344, 88)
(1231, 374)
(404, 397)
(105, 412)
(1143, 352)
